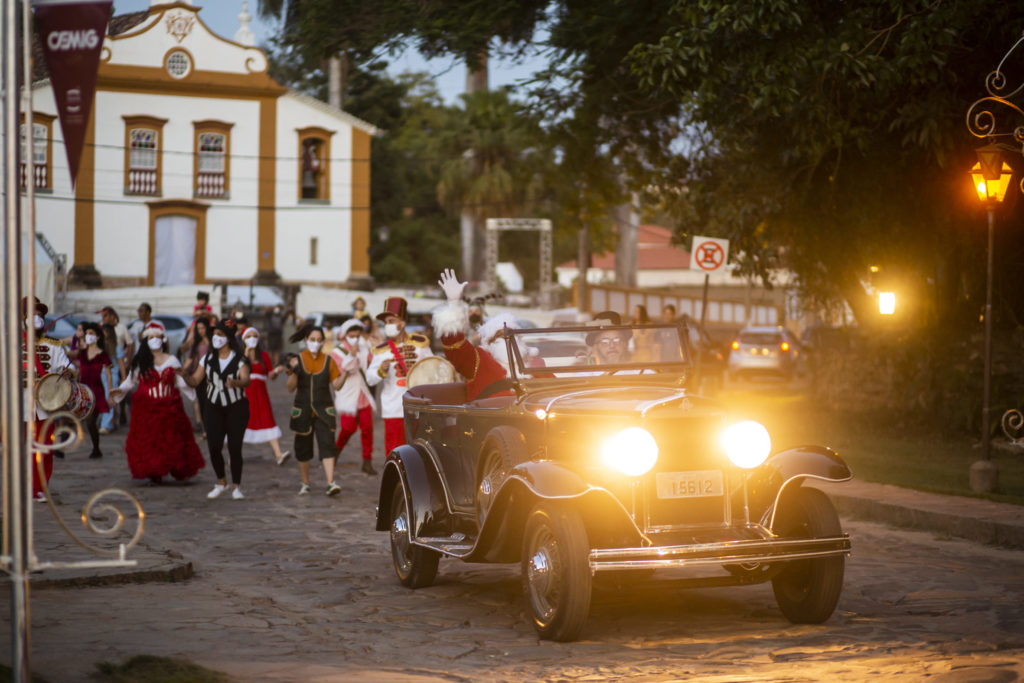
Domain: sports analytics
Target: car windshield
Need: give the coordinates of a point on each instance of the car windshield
(594, 350)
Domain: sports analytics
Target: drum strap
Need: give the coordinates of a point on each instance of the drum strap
(399, 358)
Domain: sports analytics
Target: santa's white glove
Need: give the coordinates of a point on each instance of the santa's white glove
(451, 285)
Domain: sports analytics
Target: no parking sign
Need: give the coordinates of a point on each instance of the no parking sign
(709, 254)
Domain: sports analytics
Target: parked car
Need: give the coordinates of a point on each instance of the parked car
(175, 328)
(574, 469)
(710, 361)
(62, 326)
(765, 350)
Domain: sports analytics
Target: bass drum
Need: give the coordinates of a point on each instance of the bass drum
(431, 370)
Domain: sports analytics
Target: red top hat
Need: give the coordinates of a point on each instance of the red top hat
(41, 308)
(393, 305)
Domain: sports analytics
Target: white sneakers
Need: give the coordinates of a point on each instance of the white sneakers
(221, 488)
(217, 490)
(284, 456)
(333, 489)
(304, 490)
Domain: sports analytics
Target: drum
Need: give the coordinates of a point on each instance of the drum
(431, 370)
(55, 392)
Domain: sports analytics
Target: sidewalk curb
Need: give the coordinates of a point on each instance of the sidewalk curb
(173, 572)
(979, 530)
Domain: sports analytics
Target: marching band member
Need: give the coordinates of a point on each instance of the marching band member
(48, 356)
(390, 366)
(353, 401)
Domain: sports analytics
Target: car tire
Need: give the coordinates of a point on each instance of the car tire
(415, 566)
(556, 571)
(503, 448)
(807, 591)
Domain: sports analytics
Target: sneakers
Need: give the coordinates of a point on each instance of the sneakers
(284, 456)
(40, 497)
(333, 489)
(368, 467)
(217, 490)
(304, 490)
(237, 494)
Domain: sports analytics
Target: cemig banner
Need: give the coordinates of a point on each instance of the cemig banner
(71, 33)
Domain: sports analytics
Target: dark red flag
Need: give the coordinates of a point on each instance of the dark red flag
(71, 33)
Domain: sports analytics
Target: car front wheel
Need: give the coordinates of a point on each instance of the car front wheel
(807, 590)
(556, 571)
(415, 566)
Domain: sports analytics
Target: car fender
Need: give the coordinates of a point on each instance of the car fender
(423, 490)
(788, 469)
(528, 483)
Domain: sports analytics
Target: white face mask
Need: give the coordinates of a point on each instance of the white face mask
(155, 343)
(391, 329)
(91, 339)
(313, 346)
(251, 342)
(38, 322)
(219, 341)
(354, 340)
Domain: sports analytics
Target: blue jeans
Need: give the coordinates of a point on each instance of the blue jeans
(107, 418)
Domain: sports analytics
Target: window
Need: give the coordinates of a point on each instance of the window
(315, 164)
(142, 155)
(42, 151)
(212, 159)
(179, 64)
(312, 250)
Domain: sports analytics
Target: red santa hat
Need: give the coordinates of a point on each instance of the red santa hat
(495, 324)
(153, 329)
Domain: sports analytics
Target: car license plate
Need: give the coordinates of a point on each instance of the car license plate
(698, 484)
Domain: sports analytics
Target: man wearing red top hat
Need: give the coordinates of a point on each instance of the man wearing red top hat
(390, 365)
(48, 357)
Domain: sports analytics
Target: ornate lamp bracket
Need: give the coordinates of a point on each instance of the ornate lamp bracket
(998, 117)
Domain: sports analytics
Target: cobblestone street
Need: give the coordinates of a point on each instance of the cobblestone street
(301, 588)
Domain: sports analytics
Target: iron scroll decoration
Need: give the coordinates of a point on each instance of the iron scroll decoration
(100, 515)
(983, 120)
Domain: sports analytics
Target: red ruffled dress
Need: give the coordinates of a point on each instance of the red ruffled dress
(262, 425)
(90, 373)
(160, 440)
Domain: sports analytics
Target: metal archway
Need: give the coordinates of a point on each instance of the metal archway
(541, 225)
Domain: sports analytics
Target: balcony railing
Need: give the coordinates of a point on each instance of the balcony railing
(142, 182)
(42, 179)
(210, 185)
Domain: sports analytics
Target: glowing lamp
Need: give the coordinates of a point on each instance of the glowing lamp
(991, 175)
(887, 303)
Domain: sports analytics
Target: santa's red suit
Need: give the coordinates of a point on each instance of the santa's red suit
(477, 365)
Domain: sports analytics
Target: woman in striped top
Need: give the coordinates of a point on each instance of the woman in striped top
(226, 413)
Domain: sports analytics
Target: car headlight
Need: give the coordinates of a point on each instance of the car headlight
(747, 443)
(633, 451)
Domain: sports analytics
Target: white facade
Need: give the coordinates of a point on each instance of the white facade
(198, 165)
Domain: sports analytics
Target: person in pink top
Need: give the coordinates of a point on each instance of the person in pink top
(353, 401)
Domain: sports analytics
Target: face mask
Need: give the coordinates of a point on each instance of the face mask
(251, 342)
(91, 339)
(38, 322)
(354, 339)
(219, 341)
(155, 343)
(391, 330)
(313, 346)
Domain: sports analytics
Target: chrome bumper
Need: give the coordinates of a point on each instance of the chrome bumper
(728, 552)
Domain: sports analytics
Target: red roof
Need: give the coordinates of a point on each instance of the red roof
(654, 251)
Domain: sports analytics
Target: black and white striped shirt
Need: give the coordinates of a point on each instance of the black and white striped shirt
(216, 377)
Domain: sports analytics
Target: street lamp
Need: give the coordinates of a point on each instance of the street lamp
(887, 303)
(991, 176)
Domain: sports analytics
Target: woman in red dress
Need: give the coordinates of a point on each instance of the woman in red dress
(93, 362)
(160, 440)
(262, 427)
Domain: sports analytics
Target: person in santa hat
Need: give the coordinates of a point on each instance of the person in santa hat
(353, 401)
(160, 440)
(482, 365)
(48, 357)
(390, 367)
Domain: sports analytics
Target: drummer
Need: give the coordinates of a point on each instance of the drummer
(48, 357)
(390, 366)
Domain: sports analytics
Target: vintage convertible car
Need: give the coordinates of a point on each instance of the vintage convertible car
(593, 463)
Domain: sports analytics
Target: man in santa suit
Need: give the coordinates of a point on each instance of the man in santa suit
(353, 401)
(482, 365)
(390, 366)
(48, 357)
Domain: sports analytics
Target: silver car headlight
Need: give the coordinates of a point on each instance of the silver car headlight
(633, 451)
(747, 444)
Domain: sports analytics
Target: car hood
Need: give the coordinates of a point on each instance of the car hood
(646, 401)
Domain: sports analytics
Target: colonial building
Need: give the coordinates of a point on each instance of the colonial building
(199, 167)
